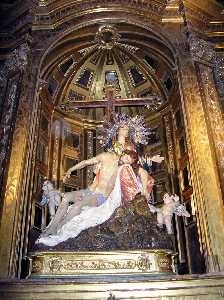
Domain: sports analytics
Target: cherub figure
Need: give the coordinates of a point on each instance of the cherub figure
(51, 197)
(165, 213)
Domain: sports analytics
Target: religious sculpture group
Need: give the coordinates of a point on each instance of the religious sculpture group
(119, 177)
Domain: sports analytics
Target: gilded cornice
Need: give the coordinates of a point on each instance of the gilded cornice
(204, 17)
(207, 7)
(172, 12)
(51, 4)
(55, 16)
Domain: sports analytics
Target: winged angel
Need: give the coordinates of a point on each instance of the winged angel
(165, 213)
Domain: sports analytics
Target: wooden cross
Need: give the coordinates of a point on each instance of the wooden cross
(110, 99)
(111, 102)
(116, 103)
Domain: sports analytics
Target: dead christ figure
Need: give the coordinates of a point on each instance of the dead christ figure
(115, 183)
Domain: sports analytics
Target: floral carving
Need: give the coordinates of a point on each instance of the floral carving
(144, 263)
(37, 266)
(55, 264)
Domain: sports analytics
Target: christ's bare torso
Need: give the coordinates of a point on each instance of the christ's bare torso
(107, 173)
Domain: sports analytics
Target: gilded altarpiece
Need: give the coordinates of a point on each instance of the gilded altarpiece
(204, 139)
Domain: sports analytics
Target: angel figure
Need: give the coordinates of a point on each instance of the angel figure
(165, 213)
(50, 197)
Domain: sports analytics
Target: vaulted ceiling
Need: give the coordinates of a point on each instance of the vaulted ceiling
(137, 63)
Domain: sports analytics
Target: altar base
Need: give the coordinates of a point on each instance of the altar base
(63, 264)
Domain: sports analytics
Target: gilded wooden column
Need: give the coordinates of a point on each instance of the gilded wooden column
(201, 110)
(56, 161)
(170, 146)
(18, 181)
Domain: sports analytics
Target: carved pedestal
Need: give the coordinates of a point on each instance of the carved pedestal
(60, 264)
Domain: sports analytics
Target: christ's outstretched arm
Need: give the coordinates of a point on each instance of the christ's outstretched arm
(81, 165)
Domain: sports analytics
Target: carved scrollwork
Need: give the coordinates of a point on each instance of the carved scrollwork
(55, 264)
(144, 263)
(86, 263)
(37, 266)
